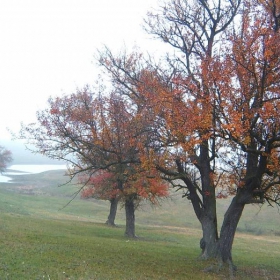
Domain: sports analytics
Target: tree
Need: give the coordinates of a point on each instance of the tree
(99, 137)
(194, 30)
(5, 158)
(247, 110)
(216, 106)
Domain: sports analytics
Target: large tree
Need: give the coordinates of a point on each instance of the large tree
(194, 29)
(99, 135)
(247, 107)
(215, 105)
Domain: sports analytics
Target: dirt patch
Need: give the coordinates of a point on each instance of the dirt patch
(29, 190)
(259, 237)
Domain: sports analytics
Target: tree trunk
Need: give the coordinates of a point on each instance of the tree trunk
(208, 243)
(205, 210)
(231, 219)
(113, 211)
(130, 217)
(208, 218)
(245, 195)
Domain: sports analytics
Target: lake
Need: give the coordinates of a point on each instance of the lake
(19, 169)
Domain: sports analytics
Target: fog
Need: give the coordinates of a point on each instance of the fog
(21, 155)
(48, 47)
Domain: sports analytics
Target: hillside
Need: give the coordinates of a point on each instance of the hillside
(174, 211)
(44, 237)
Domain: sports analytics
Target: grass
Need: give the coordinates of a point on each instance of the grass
(81, 250)
(39, 239)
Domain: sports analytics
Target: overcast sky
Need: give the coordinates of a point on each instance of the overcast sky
(47, 48)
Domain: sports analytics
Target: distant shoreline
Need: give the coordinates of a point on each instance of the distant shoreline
(28, 169)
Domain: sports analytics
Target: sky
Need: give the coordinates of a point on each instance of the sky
(47, 48)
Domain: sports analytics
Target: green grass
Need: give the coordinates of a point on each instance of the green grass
(81, 250)
(39, 239)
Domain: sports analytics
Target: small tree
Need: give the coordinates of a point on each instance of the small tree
(5, 158)
(122, 132)
(94, 134)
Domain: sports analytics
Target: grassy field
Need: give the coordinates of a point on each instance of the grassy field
(42, 239)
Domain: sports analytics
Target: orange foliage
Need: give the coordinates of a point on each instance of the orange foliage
(101, 185)
(233, 97)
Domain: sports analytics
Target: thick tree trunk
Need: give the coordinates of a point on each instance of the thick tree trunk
(245, 195)
(208, 243)
(228, 230)
(130, 217)
(205, 209)
(208, 218)
(113, 212)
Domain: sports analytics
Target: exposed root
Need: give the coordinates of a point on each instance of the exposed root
(232, 269)
(219, 265)
(110, 224)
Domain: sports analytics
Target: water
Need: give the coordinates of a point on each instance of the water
(19, 169)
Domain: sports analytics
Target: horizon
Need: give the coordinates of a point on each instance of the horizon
(21, 155)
